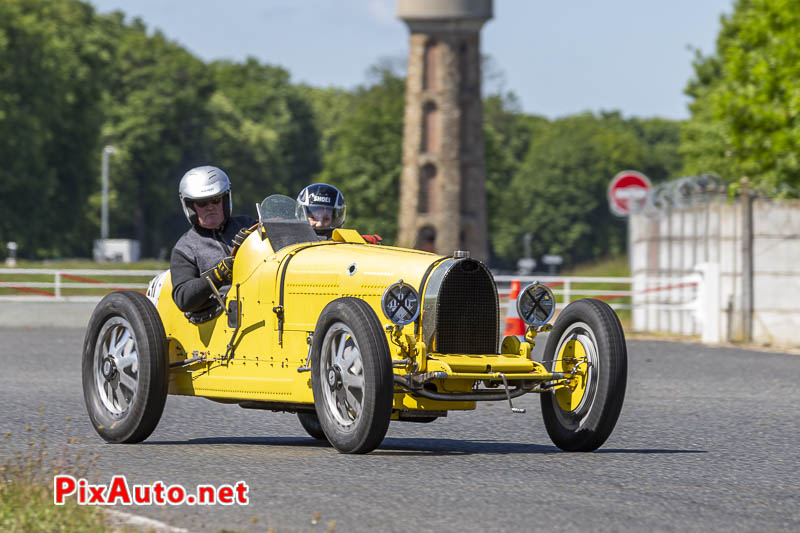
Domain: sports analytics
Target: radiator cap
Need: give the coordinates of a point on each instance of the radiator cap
(461, 254)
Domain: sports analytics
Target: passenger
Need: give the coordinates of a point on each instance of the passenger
(324, 208)
(204, 251)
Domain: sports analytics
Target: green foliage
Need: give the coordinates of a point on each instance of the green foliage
(53, 57)
(559, 191)
(661, 139)
(329, 106)
(746, 98)
(617, 267)
(72, 82)
(507, 134)
(364, 160)
(26, 493)
(263, 132)
(26, 506)
(157, 114)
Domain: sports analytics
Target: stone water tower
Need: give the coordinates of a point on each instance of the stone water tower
(443, 184)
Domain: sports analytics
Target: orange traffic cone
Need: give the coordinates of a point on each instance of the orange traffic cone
(514, 324)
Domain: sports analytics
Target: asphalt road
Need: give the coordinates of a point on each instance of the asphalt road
(707, 441)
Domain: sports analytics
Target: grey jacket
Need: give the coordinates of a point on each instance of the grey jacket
(197, 251)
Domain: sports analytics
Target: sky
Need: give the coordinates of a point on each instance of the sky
(558, 58)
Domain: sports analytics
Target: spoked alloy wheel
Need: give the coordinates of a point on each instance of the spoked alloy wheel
(351, 376)
(116, 366)
(588, 345)
(124, 367)
(343, 390)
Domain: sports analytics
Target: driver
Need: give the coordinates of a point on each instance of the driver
(204, 251)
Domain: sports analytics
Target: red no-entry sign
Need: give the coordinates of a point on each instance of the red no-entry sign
(627, 192)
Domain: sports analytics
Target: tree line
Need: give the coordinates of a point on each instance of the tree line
(73, 81)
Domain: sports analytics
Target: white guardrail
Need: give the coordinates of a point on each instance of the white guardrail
(569, 288)
(51, 285)
(687, 304)
(66, 285)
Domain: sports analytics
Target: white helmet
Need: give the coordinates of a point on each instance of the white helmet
(201, 183)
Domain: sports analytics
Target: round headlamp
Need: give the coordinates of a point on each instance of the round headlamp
(400, 303)
(536, 304)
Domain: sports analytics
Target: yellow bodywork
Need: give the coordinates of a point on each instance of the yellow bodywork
(265, 361)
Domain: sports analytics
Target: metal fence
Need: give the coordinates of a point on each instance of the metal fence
(569, 288)
(653, 304)
(48, 285)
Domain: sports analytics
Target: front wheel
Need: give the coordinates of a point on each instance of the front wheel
(351, 376)
(588, 345)
(124, 367)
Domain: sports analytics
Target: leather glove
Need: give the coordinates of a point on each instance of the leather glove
(241, 236)
(373, 239)
(222, 273)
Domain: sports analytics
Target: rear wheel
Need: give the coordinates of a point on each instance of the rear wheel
(311, 424)
(587, 343)
(351, 376)
(421, 419)
(124, 367)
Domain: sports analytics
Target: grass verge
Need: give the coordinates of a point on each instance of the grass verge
(43, 284)
(88, 264)
(26, 491)
(607, 267)
(610, 266)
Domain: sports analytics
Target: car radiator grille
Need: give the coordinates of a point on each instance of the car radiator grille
(467, 316)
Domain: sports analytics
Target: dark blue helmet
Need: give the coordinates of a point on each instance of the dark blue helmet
(323, 206)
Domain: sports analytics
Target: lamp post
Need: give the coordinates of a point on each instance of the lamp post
(11, 260)
(107, 150)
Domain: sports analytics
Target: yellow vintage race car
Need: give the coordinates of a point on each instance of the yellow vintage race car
(351, 336)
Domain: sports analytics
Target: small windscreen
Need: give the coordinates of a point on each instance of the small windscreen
(278, 207)
(283, 223)
(283, 233)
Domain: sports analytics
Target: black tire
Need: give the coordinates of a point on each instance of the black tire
(311, 424)
(582, 421)
(125, 389)
(352, 383)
